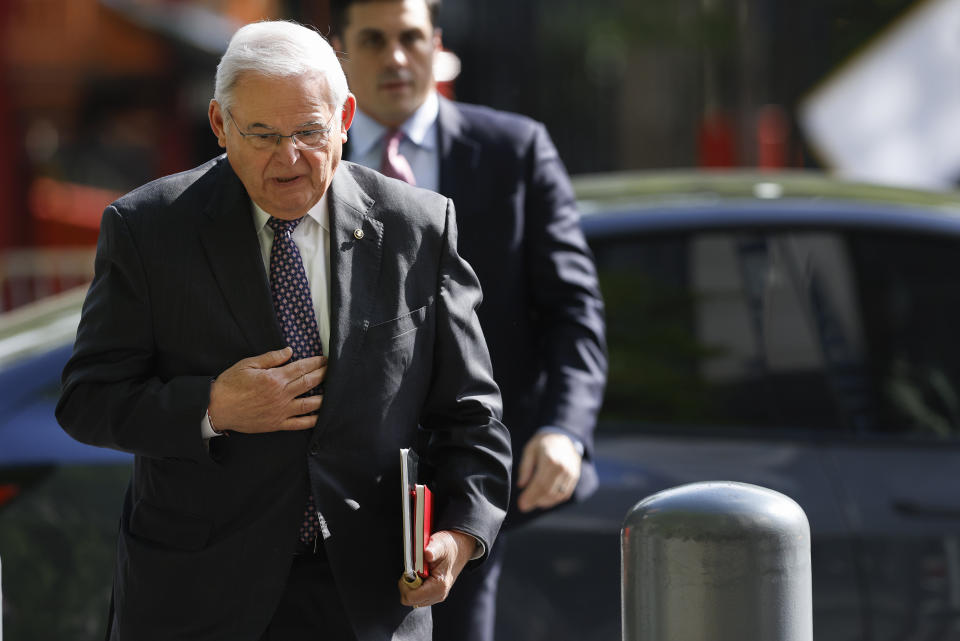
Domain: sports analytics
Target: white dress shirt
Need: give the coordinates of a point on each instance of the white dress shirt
(312, 238)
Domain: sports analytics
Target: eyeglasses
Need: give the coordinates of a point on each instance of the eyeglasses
(310, 139)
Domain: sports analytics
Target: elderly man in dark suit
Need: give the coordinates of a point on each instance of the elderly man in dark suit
(519, 228)
(264, 333)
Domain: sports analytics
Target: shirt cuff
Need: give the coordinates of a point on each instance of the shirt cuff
(206, 430)
(479, 550)
(552, 429)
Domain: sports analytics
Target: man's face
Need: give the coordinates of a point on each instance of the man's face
(283, 180)
(389, 48)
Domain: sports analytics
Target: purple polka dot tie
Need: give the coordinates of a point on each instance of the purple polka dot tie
(294, 308)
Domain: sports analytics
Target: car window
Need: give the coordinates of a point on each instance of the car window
(911, 304)
(837, 332)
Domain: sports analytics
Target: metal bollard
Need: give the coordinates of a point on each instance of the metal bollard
(716, 561)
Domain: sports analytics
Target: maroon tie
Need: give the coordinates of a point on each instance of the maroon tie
(393, 164)
(294, 307)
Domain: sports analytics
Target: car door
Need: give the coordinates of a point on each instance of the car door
(901, 472)
(719, 370)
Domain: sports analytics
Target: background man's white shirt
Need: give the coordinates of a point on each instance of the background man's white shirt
(418, 146)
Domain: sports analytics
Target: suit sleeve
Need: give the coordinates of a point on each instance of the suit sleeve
(469, 448)
(111, 396)
(566, 296)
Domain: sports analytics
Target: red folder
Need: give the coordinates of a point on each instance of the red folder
(423, 509)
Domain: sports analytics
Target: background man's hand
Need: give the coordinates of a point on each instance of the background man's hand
(259, 394)
(445, 555)
(549, 471)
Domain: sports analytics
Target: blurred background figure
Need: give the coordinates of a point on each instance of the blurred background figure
(519, 229)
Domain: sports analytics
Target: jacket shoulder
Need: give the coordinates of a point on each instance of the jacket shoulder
(493, 126)
(389, 191)
(488, 117)
(404, 209)
(168, 190)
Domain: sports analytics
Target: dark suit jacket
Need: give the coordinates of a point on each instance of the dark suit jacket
(180, 294)
(542, 312)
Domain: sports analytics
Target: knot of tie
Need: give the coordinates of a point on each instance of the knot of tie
(279, 225)
(394, 136)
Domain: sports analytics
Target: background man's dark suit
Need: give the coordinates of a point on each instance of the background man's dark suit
(180, 294)
(542, 313)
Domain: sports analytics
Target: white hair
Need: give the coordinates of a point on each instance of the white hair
(280, 49)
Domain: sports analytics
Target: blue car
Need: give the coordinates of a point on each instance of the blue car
(783, 330)
(780, 329)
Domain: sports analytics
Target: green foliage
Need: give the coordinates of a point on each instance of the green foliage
(650, 23)
(654, 352)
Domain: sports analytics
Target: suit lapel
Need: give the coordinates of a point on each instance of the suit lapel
(230, 241)
(459, 154)
(356, 252)
(356, 246)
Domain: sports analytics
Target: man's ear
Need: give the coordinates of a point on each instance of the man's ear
(349, 110)
(437, 39)
(215, 114)
(337, 45)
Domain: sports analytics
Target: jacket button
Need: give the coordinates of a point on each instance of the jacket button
(314, 450)
(358, 234)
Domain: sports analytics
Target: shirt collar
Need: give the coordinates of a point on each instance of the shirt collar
(320, 213)
(423, 122)
(365, 132)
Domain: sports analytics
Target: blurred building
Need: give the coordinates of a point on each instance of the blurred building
(97, 97)
(890, 114)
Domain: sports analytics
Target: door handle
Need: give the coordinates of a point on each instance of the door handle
(916, 509)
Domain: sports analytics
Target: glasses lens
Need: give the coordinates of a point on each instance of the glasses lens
(312, 139)
(263, 141)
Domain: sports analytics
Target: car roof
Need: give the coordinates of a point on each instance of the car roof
(39, 327)
(676, 200)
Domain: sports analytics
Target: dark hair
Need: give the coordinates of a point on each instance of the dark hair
(339, 8)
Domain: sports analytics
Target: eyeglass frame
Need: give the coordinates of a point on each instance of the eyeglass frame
(297, 143)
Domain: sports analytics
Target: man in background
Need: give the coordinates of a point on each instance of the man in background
(542, 314)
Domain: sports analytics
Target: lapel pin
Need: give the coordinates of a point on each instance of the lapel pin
(358, 233)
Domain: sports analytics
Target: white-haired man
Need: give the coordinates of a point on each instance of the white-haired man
(264, 332)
